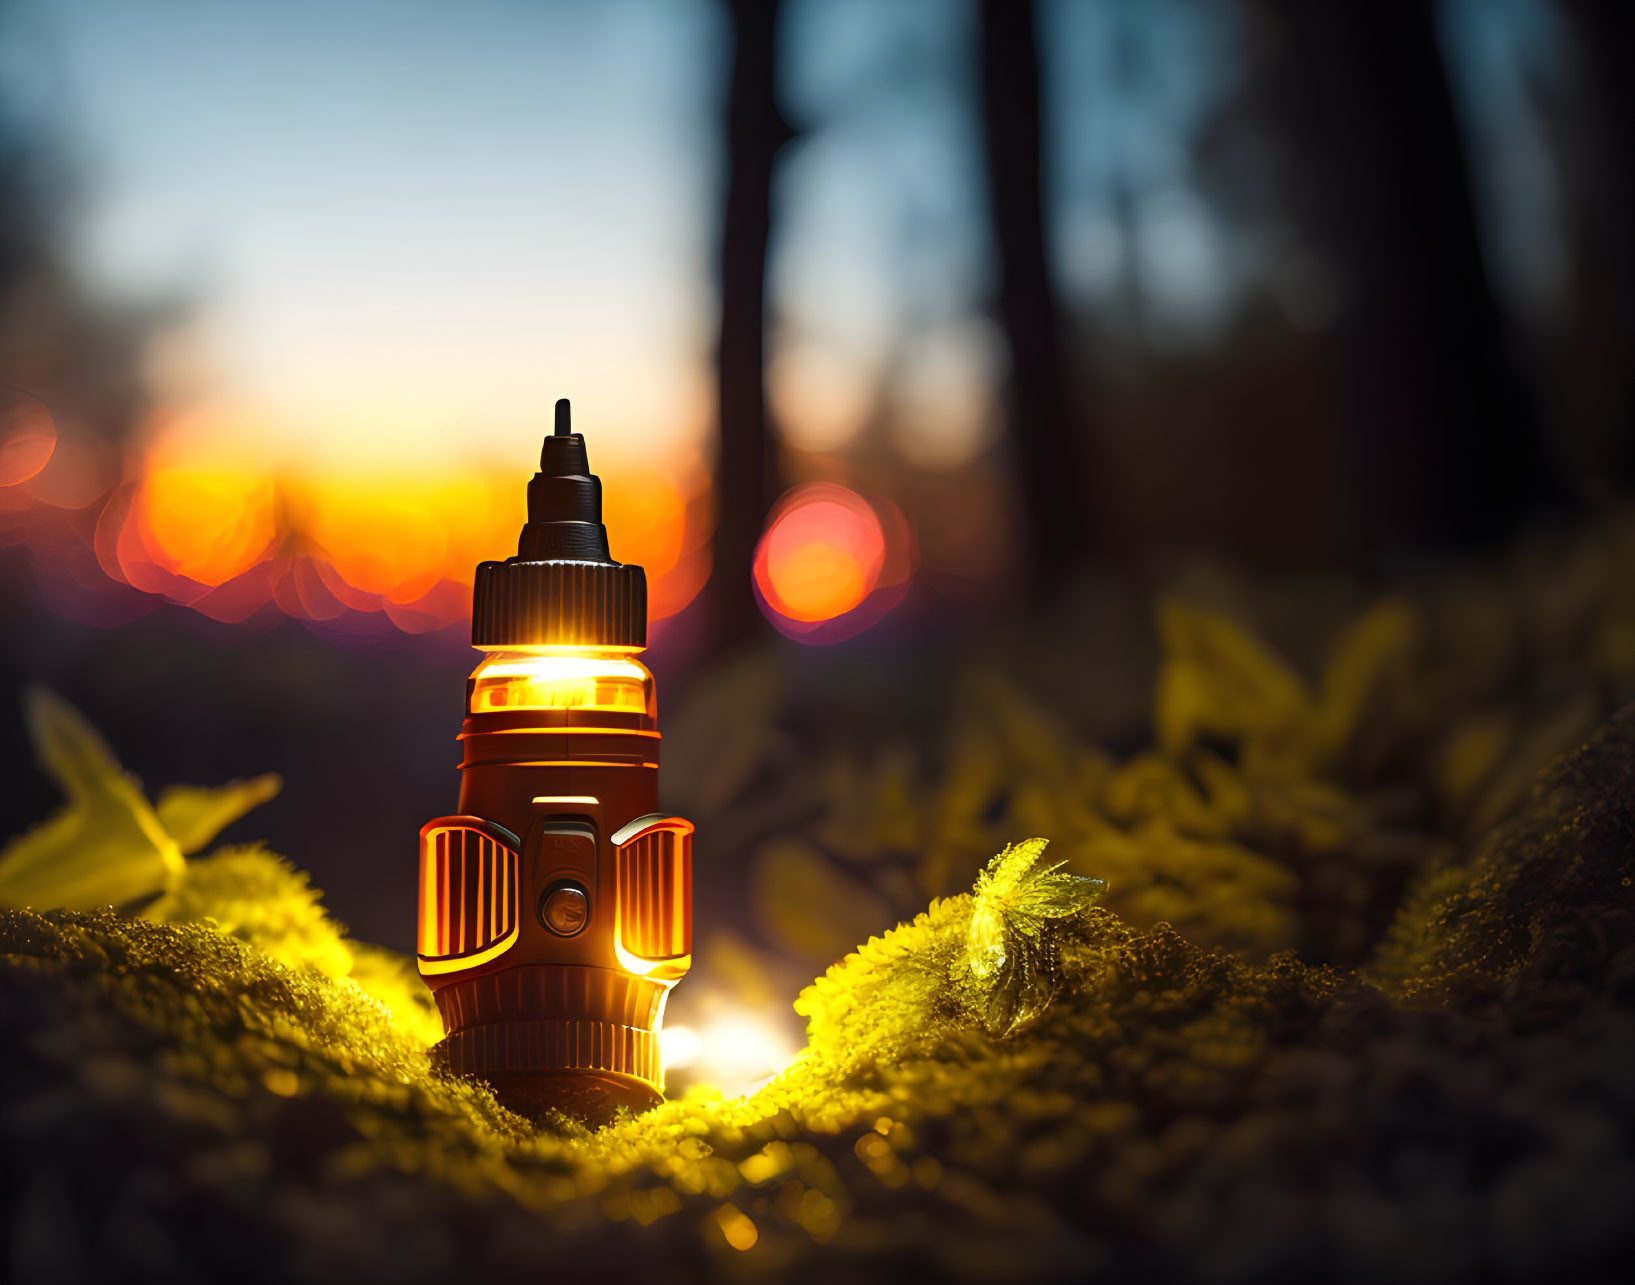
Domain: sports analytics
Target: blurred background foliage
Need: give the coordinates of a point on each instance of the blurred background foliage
(1196, 432)
(1280, 804)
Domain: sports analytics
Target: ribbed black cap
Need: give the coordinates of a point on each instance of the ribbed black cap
(563, 588)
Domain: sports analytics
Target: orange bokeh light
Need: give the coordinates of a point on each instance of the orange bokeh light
(645, 514)
(660, 520)
(821, 555)
(206, 523)
(394, 539)
(28, 437)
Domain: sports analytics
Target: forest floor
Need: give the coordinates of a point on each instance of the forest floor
(1183, 1087)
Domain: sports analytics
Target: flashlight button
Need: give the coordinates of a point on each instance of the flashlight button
(564, 909)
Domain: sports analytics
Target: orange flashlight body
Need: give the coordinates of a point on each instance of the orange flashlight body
(555, 909)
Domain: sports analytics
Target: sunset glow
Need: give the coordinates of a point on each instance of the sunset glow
(194, 523)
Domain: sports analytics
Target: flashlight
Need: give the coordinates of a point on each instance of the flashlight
(556, 908)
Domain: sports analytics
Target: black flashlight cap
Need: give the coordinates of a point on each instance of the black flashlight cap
(563, 588)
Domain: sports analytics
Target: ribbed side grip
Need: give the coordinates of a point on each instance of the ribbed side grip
(468, 892)
(656, 894)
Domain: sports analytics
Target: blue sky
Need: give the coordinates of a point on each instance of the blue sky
(405, 221)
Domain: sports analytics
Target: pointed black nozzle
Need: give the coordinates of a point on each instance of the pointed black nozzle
(562, 589)
(564, 501)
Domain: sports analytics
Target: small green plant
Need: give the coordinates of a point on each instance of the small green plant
(110, 847)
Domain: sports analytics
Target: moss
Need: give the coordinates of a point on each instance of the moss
(1540, 899)
(181, 1103)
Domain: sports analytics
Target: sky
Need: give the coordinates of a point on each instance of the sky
(406, 227)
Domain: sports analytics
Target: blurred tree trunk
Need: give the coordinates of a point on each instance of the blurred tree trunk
(1442, 433)
(21, 204)
(1050, 455)
(746, 472)
(1599, 362)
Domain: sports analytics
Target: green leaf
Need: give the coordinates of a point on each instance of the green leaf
(195, 814)
(106, 846)
(1373, 647)
(1012, 949)
(1216, 677)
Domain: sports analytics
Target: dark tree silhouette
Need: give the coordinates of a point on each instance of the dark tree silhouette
(1599, 370)
(1049, 451)
(23, 205)
(80, 355)
(1442, 436)
(746, 473)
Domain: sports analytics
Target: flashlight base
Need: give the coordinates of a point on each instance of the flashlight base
(592, 1098)
(580, 1068)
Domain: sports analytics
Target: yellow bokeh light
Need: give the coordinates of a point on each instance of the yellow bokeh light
(737, 1226)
